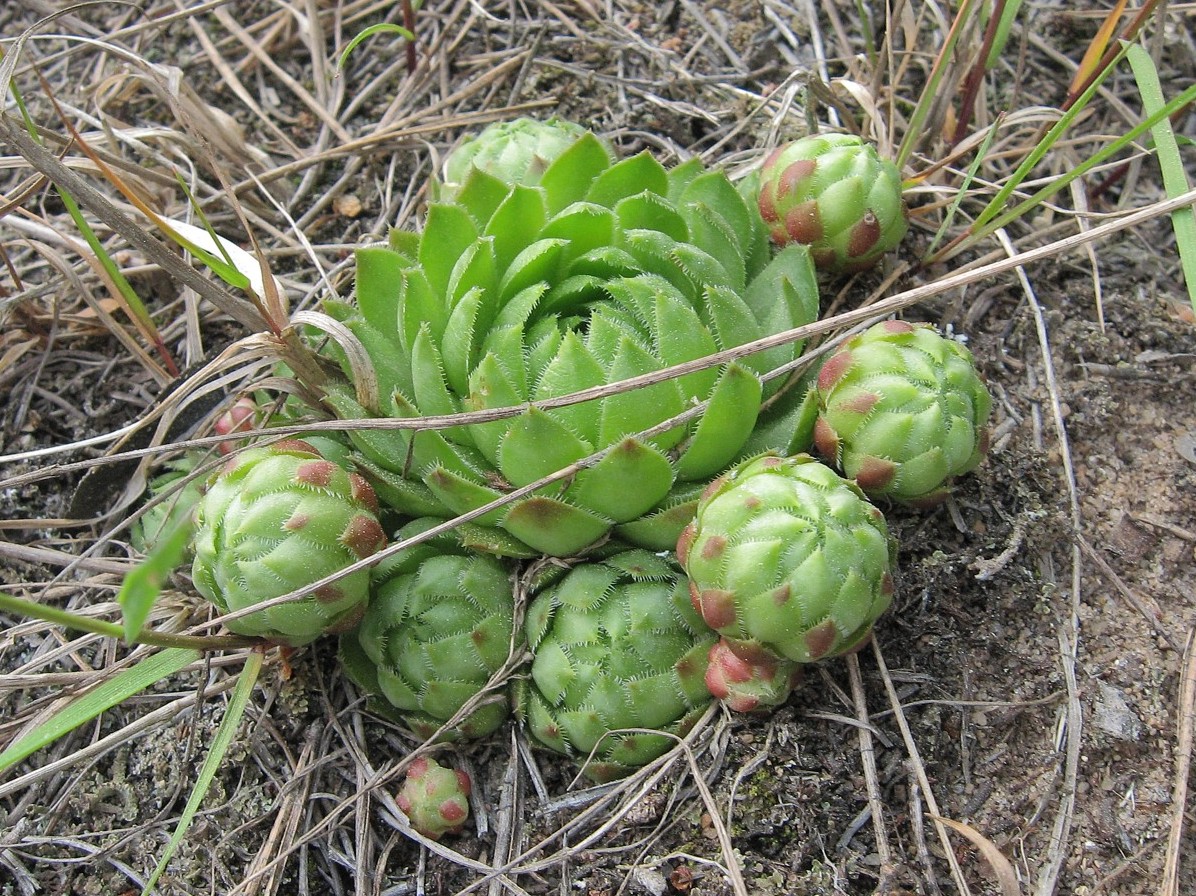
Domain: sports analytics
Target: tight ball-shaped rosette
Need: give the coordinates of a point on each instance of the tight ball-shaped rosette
(902, 410)
(616, 646)
(514, 152)
(516, 295)
(833, 193)
(435, 798)
(275, 520)
(787, 555)
(437, 629)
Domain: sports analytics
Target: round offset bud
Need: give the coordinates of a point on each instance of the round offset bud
(747, 676)
(276, 520)
(616, 646)
(902, 410)
(435, 634)
(515, 152)
(786, 554)
(833, 193)
(434, 798)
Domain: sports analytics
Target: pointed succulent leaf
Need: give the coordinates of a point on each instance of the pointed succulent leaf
(448, 234)
(481, 195)
(630, 412)
(628, 177)
(569, 177)
(533, 268)
(432, 394)
(522, 211)
(627, 483)
(380, 273)
(651, 211)
(554, 526)
(461, 493)
(583, 227)
(726, 423)
(537, 445)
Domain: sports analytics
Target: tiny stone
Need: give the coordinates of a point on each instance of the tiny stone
(347, 205)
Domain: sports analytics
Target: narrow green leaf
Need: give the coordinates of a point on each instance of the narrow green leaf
(1175, 180)
(366, 34)
(627, 178)
(379, 277)
(99, 699)
(224, 736)
(724, 427)
(567, 179)
(142, 586)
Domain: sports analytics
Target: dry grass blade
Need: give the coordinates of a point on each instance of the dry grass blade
(1003, 870)
(1186, 712)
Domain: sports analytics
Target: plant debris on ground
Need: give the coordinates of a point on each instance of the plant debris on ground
(1023, 720)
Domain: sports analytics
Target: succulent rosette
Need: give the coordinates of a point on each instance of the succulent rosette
(516, 294)
(275, 520)
(747, 677)
(902, 410)
(514, 152)
(434, 798)
(833, 193)
(438, 627)
(785, 554)
(616, 646)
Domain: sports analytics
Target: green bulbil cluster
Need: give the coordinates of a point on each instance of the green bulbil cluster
(514, 152)
(902, 410)
(276, 520)
(438, 627)
(833, 193)
(785, 554)
(435, 798)
(616, 646)
(599, 272)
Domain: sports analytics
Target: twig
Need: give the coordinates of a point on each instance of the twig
(1183, 762)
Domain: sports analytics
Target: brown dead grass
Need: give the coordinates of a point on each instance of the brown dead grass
(1035, 602)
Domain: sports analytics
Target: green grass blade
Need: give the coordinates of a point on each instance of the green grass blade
(1098, 158)
(141, 587)
(930, 92)
(1175, 180)
(65, 618)
(220, 745)
(87, 706)
(134, 307)
(1057, 130)
(367, 33)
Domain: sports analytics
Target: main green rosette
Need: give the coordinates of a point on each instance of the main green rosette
(515, 294)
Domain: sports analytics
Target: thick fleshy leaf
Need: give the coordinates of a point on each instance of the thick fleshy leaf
(572, 369)
(651, 211)
(467, 327)
(386, 447)
(481, 195)
(536, 265)
(725, 425)
(463, 494)
(554, 527)
(535, 446)
(448, 233)
(476, 269)
(379, 283)
(521, 212)
(627, 413)
(583, 226)
(432, 395)
(627, 483)
(419, 307)
(400, 493)
(569, 177)
(629, 177)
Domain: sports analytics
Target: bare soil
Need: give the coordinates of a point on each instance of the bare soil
(1037, 645)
